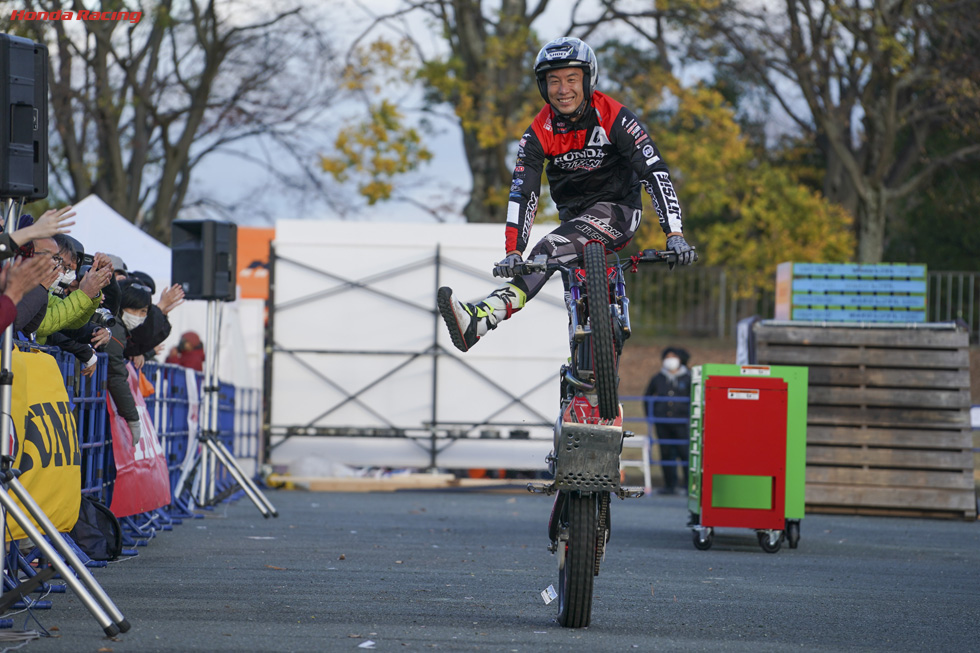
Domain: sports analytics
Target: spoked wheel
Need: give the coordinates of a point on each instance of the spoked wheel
(576, 568)
(600, 318)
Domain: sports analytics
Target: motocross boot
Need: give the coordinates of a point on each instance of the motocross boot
(468, 323)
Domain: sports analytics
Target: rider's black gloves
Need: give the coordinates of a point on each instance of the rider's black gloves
(685, 253)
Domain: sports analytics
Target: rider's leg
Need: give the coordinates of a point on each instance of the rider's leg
(469, 322)
(613, 224)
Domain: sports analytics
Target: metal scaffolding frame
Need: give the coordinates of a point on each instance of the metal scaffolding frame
(427, 435)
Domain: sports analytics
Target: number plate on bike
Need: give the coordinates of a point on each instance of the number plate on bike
(588, 457)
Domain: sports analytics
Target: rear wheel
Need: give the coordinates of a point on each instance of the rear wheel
(601, 321)
(576, 567)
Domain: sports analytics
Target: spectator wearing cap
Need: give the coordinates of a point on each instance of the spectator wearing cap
(134, 302)
(189, 352)
(74, 310)
(673, 380)
(119, 266)
(156, 328)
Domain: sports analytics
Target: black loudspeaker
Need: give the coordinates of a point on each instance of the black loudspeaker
(203, 258)
(23, 118)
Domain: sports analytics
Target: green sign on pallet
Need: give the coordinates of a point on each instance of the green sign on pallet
(844, 292)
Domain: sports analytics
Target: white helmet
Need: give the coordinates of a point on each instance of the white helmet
(567, 52)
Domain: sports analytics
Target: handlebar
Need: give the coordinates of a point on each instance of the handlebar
(540, 262)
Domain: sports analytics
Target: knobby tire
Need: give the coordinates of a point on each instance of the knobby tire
(600, 317)
(576, 576)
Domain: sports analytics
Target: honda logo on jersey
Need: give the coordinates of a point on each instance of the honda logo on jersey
(598, 138)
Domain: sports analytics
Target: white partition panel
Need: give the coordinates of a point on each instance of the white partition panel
(359, 348)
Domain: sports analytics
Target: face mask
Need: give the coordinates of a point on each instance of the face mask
(672, 364)
(132, 320)
(65, 279)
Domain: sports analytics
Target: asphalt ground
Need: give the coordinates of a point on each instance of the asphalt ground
(464, 571)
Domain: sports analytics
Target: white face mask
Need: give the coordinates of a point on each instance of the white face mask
(131, 320)
(65, 278)
(672, 363)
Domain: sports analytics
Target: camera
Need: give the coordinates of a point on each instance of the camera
(86, 260)
(103, 317)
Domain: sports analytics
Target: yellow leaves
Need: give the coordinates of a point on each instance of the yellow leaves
(740, 212)
(376, 150)
(378, 65)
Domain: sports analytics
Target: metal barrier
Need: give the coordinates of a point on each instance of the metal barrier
(709, 301)
(640, 410)
(170, 409)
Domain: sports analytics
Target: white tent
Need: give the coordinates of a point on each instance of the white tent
(100, 229)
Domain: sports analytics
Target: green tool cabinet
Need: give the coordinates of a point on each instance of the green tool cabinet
(744, 491)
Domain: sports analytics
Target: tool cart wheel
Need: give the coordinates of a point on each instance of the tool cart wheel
(703, 544)
(792, 533)
(767, 544)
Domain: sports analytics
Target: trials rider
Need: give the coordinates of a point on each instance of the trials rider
(599, 155)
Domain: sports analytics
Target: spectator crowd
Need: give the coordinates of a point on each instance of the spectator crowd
(56, 293)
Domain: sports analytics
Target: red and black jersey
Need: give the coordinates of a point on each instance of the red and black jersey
(604, 157)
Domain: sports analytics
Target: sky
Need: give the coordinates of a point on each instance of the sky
(444, 181)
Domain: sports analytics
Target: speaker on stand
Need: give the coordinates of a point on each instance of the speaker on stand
(203, 262)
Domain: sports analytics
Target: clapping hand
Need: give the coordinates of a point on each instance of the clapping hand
(24, 274)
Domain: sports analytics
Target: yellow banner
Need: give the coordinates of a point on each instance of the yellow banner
(46, 447)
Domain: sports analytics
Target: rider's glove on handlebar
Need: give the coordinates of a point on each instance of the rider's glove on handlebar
(685, 253)
(507, 267)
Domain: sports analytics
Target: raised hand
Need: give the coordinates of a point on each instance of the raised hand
(95, 280)
(171, 298)
(51, 222)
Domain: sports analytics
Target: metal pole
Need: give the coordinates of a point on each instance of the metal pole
(265, 444)
(435, 369)
(213, 450)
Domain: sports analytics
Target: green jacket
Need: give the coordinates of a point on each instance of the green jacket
(72, 312)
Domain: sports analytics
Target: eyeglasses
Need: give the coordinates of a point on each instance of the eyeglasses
(60, 262)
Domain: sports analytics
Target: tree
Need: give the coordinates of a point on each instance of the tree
(871, 82)
(740, 210)
(484, 75)
(136, 106)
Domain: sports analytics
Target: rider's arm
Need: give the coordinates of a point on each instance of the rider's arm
(525, 190)
(634, 142)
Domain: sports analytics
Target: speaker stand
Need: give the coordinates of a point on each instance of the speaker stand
(213, 452)
(45, 534)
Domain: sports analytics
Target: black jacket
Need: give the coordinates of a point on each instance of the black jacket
(118, 381)
(663, 385)
(154, 330)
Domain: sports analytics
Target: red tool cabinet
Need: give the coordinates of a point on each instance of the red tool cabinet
(744, 443)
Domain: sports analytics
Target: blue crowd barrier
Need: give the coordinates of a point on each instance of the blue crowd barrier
(169, 409)
(647, 402)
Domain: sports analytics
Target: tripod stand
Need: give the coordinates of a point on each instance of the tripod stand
(213, 450)
(54, 547)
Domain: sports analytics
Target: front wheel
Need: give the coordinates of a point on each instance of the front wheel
(601, 321)
(576, 564)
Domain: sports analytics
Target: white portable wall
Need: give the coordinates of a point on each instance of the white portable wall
(358, 345)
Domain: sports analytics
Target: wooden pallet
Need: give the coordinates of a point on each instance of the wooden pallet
(888, 421)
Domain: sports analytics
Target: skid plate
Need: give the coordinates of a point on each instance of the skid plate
(588, 457)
